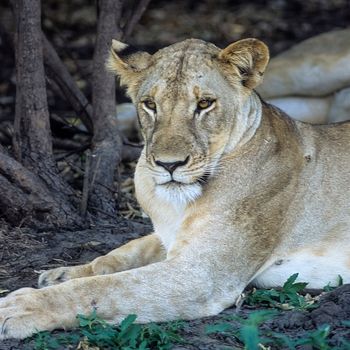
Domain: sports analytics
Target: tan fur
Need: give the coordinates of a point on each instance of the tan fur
(255, 197)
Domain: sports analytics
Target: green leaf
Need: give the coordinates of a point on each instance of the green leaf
(143, 345)
(282, 340)
(126, 336)
(218, 328)
(289, 294)
(250, 337)
(127, 322)
(290, 281)
(45, 341)
(340, 281)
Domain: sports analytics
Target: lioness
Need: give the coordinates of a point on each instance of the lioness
(236, 190)
(311, 80)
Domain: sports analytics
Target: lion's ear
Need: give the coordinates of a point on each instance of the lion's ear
(250, 57)
(128, 64)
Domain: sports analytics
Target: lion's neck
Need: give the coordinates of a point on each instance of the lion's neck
(247, 122)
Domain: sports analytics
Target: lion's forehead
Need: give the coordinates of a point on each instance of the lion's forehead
(187, 46)
(186, 59)
(181, 72)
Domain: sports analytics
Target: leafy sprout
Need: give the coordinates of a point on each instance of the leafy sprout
(288, 297)
(95, 332)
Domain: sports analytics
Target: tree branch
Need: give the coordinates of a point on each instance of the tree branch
(56, 70)
(135, 18)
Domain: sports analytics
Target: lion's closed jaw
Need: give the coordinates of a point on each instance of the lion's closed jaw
(178, 193)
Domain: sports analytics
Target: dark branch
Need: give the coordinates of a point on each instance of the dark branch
(135, 18)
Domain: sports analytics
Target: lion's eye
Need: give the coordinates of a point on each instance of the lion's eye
(150, 104)
(204, 104)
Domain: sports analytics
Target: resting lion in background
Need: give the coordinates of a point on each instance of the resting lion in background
(237, 193)
(311, 80)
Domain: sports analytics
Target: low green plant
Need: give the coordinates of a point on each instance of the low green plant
(287, 297)
(248, 331)
(317, 339)
(253, 338)
(329, 288)
(96, 332)
(46, 341)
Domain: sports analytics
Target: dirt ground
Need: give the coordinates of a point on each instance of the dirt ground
(71, 28)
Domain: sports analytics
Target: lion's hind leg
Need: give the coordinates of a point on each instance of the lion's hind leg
(318, 265)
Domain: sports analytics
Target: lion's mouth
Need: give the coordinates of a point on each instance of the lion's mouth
(172, 181)
(202, 180)
(174, 184)
(179, 192)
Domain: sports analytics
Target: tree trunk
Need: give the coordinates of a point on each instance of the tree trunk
(106, 143)
(26, 199)
(32, 138)
(32, 142)
(32, 191)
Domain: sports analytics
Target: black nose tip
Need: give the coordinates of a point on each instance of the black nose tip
(171, 166)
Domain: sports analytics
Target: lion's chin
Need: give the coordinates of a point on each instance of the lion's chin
(179, 193)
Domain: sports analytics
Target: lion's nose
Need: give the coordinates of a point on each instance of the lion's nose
(171, 166)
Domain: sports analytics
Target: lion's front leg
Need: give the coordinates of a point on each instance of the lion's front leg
(138, 252)
(28, 310)
(163, 291)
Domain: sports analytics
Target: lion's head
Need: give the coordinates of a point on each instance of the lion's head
(193, 103)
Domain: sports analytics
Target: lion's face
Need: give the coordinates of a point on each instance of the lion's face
(189, 98)
(184, 119)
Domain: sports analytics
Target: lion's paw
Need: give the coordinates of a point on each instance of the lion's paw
(22, 314)
(63, 274)
(56, 276)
